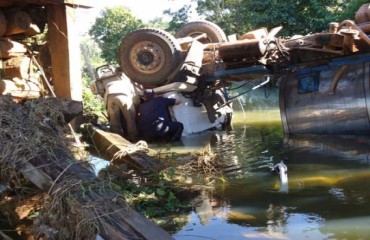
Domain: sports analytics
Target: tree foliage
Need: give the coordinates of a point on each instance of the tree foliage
(296, 16)
(351, 8)
(224, 13)
(109, 29)
(158, 23)
(179, 18)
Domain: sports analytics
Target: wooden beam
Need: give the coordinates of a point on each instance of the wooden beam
(76, 3)
(81, 3)
(41, 2)
(64, 51)
(6, 3)
(109, 144)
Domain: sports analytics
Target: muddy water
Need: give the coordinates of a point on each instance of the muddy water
(328, 193)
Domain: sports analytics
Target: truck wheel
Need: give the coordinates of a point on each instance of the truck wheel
(149, 56)
(214, 33)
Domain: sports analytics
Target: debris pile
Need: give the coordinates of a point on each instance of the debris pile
(22, 49)
(77, 205)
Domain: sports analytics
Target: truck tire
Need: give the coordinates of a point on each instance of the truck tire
(149, 56)
(214, 33)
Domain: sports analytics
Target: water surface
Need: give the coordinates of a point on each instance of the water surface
(329, 185)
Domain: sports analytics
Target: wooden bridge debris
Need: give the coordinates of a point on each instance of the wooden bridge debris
(80, 206)
(112, 145)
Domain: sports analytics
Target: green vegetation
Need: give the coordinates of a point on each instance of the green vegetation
(233, 16)
(179, 18)
(109, 29)
(93, 105)
(296, 17)
(156, 198)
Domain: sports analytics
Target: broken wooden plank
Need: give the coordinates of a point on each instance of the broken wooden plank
(111, 143)
(32, 144)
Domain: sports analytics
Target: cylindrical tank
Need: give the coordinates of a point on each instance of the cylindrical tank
(246, 48)
(313, 102)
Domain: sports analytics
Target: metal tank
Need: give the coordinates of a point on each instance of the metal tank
(330, 98)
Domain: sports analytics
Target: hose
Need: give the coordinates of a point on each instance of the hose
(354, 26)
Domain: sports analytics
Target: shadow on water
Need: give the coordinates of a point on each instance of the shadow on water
(329, 187)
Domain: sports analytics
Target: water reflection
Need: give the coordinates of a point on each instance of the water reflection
(329, 188)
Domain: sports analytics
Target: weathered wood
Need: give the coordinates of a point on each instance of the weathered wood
(39, 2)
(6, 3)
(77, 3)
(2, 23)
(32, 31)
(116, 222)
(65, 52)
(20, 89)
(80, 3)
(9, 48)
(19, 67)
(17, 22)
(110, 143)
(71, 109)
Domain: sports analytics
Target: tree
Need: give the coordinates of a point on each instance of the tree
(91, 57)
(224, 13)
(179, 18)
(351, 8)
(296, 16)
(109, 29)
(158, 23)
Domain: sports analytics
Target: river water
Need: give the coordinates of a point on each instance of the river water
(328, 195)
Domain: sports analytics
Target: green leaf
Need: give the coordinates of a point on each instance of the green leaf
(160, 192)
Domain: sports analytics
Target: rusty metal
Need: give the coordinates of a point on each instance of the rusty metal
(242, 49)
(333, 27)
(363, 14)
(353, 26)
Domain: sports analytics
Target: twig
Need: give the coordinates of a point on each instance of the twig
(60, 175)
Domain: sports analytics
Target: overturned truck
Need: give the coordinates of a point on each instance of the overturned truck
(323, 77)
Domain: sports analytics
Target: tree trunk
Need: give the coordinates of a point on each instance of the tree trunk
(19, 67)
(89, 67)
(17, 22)
(10, 48)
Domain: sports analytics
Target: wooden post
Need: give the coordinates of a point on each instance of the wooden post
(2, 23)
(64, 51)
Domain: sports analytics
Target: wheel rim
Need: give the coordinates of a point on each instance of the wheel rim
(147, 57)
